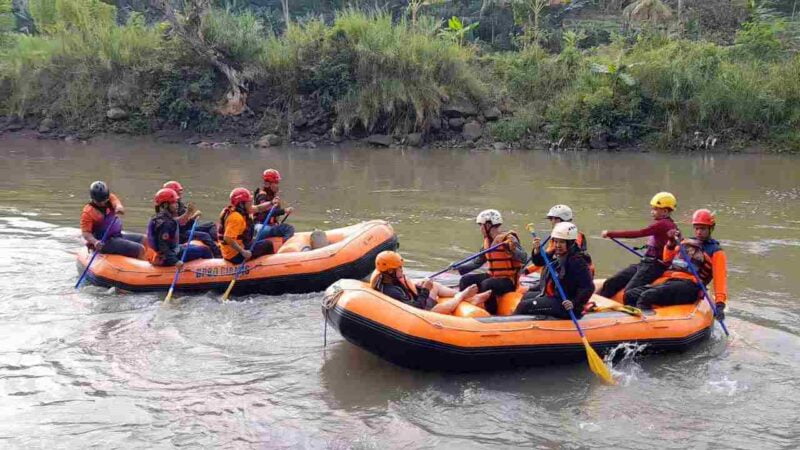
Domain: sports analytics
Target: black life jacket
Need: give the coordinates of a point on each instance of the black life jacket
(261, 196)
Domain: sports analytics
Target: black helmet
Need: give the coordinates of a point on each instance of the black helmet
(98, 191)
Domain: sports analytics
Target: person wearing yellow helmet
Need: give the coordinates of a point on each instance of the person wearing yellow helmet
(658, 233)
(389, 279)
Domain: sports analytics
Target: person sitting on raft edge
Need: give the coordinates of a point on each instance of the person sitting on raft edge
(268, 194)
(389, 279)
(163, 233)
(102, 212)
(678, 285)
(505, 262)
(650, 267)
(572, 265)
(187, 214)
(237, 228)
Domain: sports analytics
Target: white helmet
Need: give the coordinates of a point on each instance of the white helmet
(565, 230)
(563, 212)
(490, 215)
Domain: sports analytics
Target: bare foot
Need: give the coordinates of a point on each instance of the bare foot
(467, 293)
(481, 298)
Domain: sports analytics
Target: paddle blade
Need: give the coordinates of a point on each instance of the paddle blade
(169, 296)
(597, 365)
(228, 291)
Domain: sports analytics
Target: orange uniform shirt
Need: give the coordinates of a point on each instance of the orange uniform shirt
(235, 225)
(90, 216)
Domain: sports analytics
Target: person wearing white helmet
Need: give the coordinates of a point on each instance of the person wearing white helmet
(572, 266)
(504, 263)
(557, 214)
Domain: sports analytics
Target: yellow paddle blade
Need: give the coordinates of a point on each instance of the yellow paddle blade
(228, 291)
(597, 365)
(169, 296)
(530, 228)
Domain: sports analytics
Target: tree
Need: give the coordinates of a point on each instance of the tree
(652, 11)
(414, 6)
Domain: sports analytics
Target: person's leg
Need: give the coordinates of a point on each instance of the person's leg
(440, 290)
(673, 292)
(632, 295)
(615, 283)
(473, 278)
(541, 306)
(133, 237)
(498, 287)
(448, 306)
(238, 259)
(121, 246)
(646, 273)
(194, 252)
(263, 248)
(283, 230)
(206, 239)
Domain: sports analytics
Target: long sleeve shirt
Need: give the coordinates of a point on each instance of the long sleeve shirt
(657, 232)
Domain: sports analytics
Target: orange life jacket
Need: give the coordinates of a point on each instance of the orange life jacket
(705, 270)
(501, 261)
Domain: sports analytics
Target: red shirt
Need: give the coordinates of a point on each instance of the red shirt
(657, 231)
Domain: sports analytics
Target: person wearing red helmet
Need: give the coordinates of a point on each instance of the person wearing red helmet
(678, 285)
(268, 194)
(187, 214)
(237, 228)
(163, 233)
(102, 213)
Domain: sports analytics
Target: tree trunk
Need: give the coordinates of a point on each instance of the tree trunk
(191, 31)
(285, 5)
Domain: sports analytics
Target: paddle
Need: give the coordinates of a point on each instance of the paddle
(466, 260)
(241, 267)
(183, 259)
(285, 217)
(626, 247)
(693, 269)
(595, 362)
(94, 254)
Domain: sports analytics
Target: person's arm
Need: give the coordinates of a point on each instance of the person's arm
(472, 265)
(583, 280)
(86, 225)
(650, 230)
(719, 267)
(116, 204)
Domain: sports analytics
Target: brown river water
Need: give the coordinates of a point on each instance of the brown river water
(99, 368)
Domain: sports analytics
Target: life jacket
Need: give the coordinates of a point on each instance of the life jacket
(550, 289)
(246, 237)
(376, 280)
(501, 262)
(260, 196)
(154, 235)
(99, 228)
(680, 270)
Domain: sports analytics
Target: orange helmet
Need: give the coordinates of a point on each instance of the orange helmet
(271, 176)
(703, 217)
(240, 195)
(388, 260)
(174, 185)
(165, 195)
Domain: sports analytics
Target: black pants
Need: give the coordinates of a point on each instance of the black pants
(633, 276)
(485, 282)
(260, 249)
(535, 305)
(672, 292)
(205, 233)
(126, 244)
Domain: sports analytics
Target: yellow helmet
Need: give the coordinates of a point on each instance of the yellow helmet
(388, 260)
(664, 200)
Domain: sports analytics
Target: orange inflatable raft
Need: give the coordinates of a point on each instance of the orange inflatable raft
(471, 339)
(292, 269)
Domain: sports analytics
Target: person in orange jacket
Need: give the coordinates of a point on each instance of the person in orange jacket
(389, 279)
(237, 228)
(556, 215)
(101, 214)
(677, 285)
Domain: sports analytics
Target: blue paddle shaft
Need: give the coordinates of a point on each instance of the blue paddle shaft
(255, 240)
(94, 254)
(628, 248)
(466, 260)
(690, 264)
(185, 252)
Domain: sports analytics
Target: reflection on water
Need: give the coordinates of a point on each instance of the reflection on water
(97, 367)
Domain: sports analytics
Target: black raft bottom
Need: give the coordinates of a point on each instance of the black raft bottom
(419, 353)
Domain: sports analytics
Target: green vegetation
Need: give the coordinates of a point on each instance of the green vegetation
(647, 74)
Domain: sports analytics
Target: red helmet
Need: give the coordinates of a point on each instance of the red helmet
(240, 195)
(703, 217)
(174, 185)
(271, 176)
(165, 195)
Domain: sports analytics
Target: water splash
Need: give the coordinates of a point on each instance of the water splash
(725, 386)
(626, 369)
